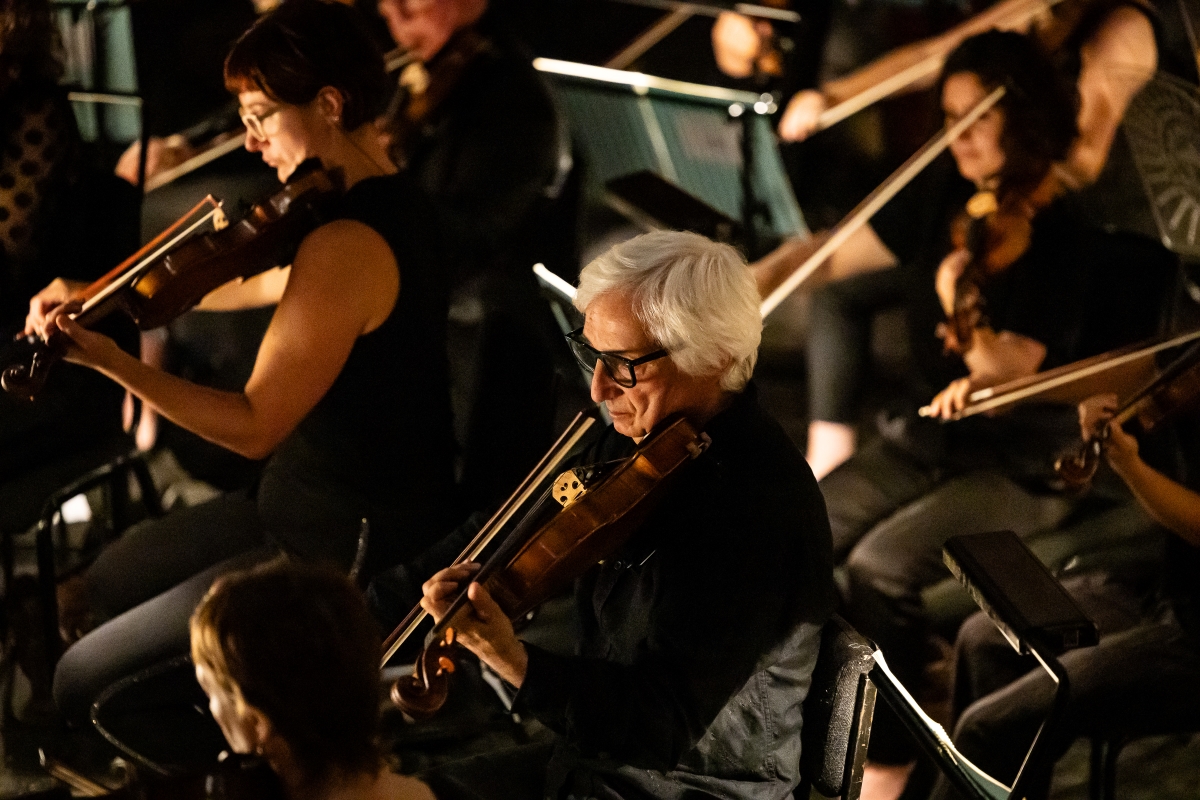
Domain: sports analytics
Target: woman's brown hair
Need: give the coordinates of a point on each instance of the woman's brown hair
(303, 46)
(1039, 107)
(298, 644)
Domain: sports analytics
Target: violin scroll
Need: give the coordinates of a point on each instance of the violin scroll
(24, 378)
(422, 694)
(1079, 468)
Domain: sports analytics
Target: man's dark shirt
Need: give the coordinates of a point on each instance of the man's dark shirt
(488, 152)
(730, 574)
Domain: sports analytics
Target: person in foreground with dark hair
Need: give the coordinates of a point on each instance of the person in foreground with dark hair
(895, 502)
(1143, 676)
(348, 395)
(700, 633)
(289, 658)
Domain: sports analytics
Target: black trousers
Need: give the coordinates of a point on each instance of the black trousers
(149, 581)
(517, 773)
(1143, 678)
(838, 348)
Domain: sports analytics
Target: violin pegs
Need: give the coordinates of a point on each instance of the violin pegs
(447, 666)
(450, 636)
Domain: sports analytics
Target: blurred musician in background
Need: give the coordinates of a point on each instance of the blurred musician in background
(349, 392)
(894, 503)
(1144, 676)
(57, 217)
(1108, 50)
(289, 658)
(476, 127)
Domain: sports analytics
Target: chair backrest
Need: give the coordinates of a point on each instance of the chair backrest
(838, 713)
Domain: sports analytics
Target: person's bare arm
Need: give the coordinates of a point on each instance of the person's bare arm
(264, 289)
(992, 359)
(324, 309)
(863, 252)
(800, 118)
(1116, 62)
(1170, 504)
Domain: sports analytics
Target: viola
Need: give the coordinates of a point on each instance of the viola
(172, 273)
(602, 506)
(1172, 393)
(995, 231)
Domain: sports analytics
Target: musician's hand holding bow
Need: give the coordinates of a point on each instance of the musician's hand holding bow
(949, 401)
(44, 303)
(480, 626)
(802, 115)
(1095, 413)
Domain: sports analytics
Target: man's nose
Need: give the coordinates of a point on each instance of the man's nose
(603, 387)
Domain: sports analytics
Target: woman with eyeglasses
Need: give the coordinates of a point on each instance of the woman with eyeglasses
(348, 396)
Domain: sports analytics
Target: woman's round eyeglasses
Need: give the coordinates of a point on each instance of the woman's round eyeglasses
(254, 122)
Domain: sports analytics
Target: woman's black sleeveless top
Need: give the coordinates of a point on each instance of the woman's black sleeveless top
(379, 445)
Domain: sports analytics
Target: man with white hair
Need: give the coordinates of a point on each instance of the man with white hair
(700, 634)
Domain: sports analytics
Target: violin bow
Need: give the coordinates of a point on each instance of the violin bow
(546, 470)
(1003, 16)
(1008, 394)
(877, 199)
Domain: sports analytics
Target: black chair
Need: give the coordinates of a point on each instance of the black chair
(115, 476)
(837, 715)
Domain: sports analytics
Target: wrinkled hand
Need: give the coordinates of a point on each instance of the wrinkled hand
(802, 115)
(950, 400)
(480, 626)
(948, 273)
(43, 304)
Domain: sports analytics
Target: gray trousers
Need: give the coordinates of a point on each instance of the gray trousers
(890, 516)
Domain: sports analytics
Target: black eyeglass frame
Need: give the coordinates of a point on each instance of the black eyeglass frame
(576, 339)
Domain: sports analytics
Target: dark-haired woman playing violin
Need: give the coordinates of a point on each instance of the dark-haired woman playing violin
(895, 502)
(349, 391)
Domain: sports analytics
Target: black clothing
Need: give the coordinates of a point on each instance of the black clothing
(379, 443)
(894, 503)
(488, 156)
(56, 220)
(698, 635)
(1142, 679)
(488, 153)
(376, 447)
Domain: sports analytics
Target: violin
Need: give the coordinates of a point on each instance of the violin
(424, 87)
(1172, 393)
(601, 507)
(995, 231)
(173, 272)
